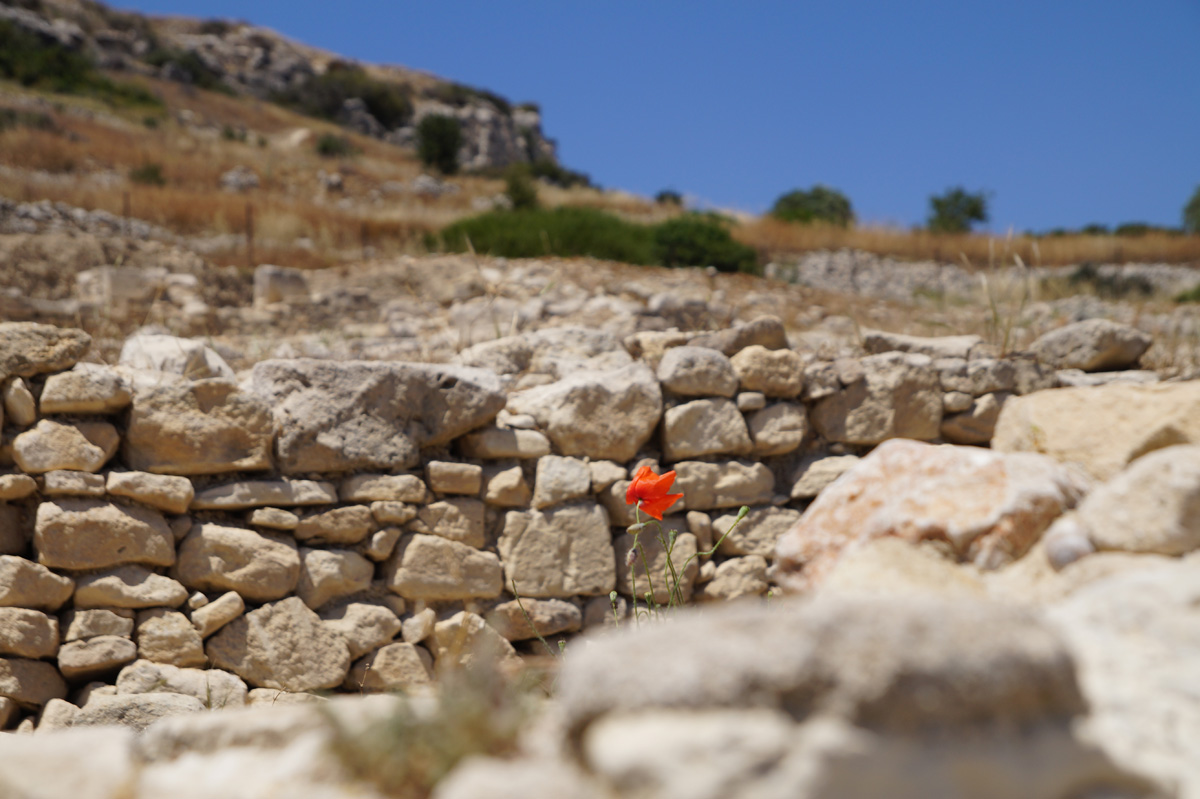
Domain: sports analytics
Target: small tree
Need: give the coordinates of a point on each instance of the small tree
(818, 204)
(669, 197)
(519, 188)
(956, 210)
(438, 140)
(1191, 213)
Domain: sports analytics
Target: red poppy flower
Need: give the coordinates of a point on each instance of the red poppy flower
(649, 492)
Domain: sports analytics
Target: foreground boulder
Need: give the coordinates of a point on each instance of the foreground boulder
(362, 415)
(1093, 345)
(989, 508)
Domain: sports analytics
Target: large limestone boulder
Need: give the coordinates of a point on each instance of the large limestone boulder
(27, 633)
(51, 445)
(987, 507)
(1101, 428)
(26, 584)
(1093, 345)
(327, 574)
(128, 586)
(28, 349)
(216, 689)
(697, 372)
(757, 533)
(604, 415)
(260, 567)
(892, 395)
(775, 373)
(82, 534)
(30, 683)
(432, 568)
(705, 427)
(88, 388)
(137, 711)
(200, 427)
(362, 415)
(723, 484)
(560, 552)
(281, 645)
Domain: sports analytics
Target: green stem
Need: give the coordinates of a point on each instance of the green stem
(742, 512)
(529, 621)
(675, 593)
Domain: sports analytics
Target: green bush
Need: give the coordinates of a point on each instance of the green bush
(148, 175)
(818, 204)
(1191, 213)
(553, 172)
(669, 197)
(458, 95)
(956, 210)
(190, 64)
(322, 96)
(562, 231)
(519, 188)
(330, 145)
(438, 140)
(695, 240)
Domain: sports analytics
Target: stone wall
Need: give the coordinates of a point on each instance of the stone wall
(315, 525)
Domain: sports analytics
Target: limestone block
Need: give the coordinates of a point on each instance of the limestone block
(394, 667)
(88, 388)
(26, 584)
(432, 568)
(559, 480)
(363, 625)
(274, 519)
(458, 518)
(697, 372)
(27, 634)
(416, 628)
(166, 636)
(765, 331)
(83, 623)
(379, 545)
(63, 483)
(216, 614)
(383, 488)
(84, 447)
(1093, 345)
(72, 533)
(19, 403)
(262, 493)
(28, 349)
(505, 486)
(757, 533)
(137, 711)
(817, 471)
(734, 579)
(327, 574)
(893, 395)
(30, 683)
(260, 567)
(465, 639)
(724, 484)
(16, 486)
(560, 552)
(773, 372)
(166, 492)
(977, 424)
(346, 525)
(393, 512)
(95, 658)
(778, 429)
(214, 688)
(704, 427)
(454, 478)
(496, 443)
(128, 586)
(631, 575)
(189, 358)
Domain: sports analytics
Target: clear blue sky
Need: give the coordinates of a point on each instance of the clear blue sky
(1066, 112)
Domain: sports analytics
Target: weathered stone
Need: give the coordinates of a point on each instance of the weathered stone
(200, 427)
(990, 508)
(63, 483)
(548, 617)
(84, 447)
(129, 586)
(214, 688)
(26, 584)
(465, 639)
(512, 779)
(94, 658)
(416, 628)
(1153, 506)
(631, 576)
(327, 574)
(88, 388)
(454, 478)
(58, 714)
(91, 534)
(606, 415)
(725, 484)
(977, 424)
(364, 625)
(561, 552)
(346, 525)
(383, 488)
(393, 512)
(279, 284)
(394, 667)
(189, 358)
(878, 341)
(894, 395)
(891, 566)
(495, 443)
(30, 683)
(560, 480)
(165, 492)
(103, 765)
(1093, 345)
(458, 518)
(137, 711)
(360, 415)
(734, 579)
(166, 636)
(1135, 420)
(605, 473)
(505, 486)
(83, 623)
(19, 403)
(263, 493)
(432, 568)
(704, 427)
(697, 372)
(757, 533)
(816, 472)
(778, 429)
(216, 614)
(28, 349)
(955, 402)
(765, 331)
(259, 567)
(773, 372)
(27, 633)
(274, 518)
(281, 645)
(379, 545)
(16, 486)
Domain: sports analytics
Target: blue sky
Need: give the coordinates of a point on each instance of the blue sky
(1066, 112)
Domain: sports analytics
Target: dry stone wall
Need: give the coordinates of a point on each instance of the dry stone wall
(172, 541)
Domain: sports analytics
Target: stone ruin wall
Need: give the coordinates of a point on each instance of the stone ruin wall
(346, 525)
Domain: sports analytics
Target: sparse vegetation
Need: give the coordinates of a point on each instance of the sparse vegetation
(956, 210)
(520, 189)
(331, 145)
(1191, 213)
(458, 95)
(552, 172)
(818, 204)
(190, 67)
(149, 174)
(17, 118)
(323, 95)
(438, 140)
(669, 197)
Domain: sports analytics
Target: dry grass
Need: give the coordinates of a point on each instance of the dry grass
(773, 237)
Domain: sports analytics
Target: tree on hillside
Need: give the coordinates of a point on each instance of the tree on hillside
(1191, 213)
(818, 204)
(438, 140)
(956, 210)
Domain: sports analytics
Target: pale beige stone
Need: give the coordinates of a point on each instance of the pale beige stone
(394, 667)
(748, 401)
(505, 486)
(128, 586)
(605, 473)
(383, 488)
(704, 427)
(28, 348)
(214, 688)
(540, 617)
(259, 567)
(778, 429)
(723, 484)
(816, 472)
(465, 639)
(26, 584)
(72, 533)
(697, 372)
(892, 566)
(88, 388)
(775, 373)
(216, 614)
(27, 633)
(379, 545)
(363, 625)
(432, 568)
(756, 534)
(892, 395)
(327, 574)
(560, 552)
(247, 494)
(16, 486)
(50, 445)
(386, 512)
(559, 480)
(94, 658)
(31, 683)
(169, 493)
(63, 483)
(632, 575)
(274, 518)
(166, 636)
(1093, 345)
(458, 518)
(496, 443)
(58, 714)
(19, 403)
(83, 623)
(419, 626)
(977, 424)
(734, 579)
(345, 525)
(137, 711)
(454, 478)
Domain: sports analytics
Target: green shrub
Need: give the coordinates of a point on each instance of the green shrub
(818, 204)
(1191, 295)
(553, 172)
(322, 96)
(331, 145)
(191, 65)
(458, 95)
(696, 240)
(1191, 213)
(562, 231)
(669, 197)
(519, 188)
(16, 118)
(956, 210)
(438, 140)
(149, 174)
(1094, 229)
